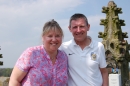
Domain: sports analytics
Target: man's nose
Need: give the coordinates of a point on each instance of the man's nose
(78, 29)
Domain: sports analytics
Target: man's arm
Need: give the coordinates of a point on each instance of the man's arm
(104, 73)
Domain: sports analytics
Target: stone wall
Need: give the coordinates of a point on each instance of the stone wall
(4, 81)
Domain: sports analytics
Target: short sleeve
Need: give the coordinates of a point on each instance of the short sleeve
(24, 62)
(102, 57)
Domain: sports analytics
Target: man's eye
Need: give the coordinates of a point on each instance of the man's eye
(75, 27)
(81, 26)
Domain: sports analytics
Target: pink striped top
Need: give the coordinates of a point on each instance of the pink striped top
(41, 71)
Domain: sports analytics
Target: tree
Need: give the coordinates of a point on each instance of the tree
(5, 72)
(1, 63)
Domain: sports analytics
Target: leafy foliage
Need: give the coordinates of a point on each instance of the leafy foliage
(6, 72)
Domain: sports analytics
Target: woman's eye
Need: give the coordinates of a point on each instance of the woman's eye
(57, 35)
(49, 36)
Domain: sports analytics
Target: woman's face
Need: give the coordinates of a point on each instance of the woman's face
(52, 40)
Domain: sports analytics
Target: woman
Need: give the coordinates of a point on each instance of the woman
(42, 65)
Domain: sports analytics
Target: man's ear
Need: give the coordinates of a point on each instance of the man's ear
(88, 26)
(69, 28)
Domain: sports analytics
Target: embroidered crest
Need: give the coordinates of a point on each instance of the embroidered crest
(93, 56)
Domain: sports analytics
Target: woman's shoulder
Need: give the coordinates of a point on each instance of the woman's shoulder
(39, 47)
(34, 49)
(61, 53)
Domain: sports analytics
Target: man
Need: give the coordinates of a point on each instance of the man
(86, 57)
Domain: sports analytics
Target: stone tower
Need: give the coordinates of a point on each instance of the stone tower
(117, 49)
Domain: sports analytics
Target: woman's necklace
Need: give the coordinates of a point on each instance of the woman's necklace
(50, 54)
(52, 58)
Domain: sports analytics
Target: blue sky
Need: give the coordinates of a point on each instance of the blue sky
(21, 22)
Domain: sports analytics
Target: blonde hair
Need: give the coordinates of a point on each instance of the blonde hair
(51, 25)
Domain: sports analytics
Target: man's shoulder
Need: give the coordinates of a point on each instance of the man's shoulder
(97, 43)
(67, 43)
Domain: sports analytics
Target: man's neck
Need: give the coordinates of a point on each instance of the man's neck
(84, 43)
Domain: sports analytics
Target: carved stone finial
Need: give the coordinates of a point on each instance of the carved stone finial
(114, 42)
(111, 3)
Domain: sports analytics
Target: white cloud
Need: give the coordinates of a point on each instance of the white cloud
(21, 23)
(95, 19)
(34, 7)
(16, 12)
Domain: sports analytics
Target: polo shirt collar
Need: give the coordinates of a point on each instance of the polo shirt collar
(90, 45)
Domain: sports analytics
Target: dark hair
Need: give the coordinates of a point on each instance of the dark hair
(51, 25)
(77, 16)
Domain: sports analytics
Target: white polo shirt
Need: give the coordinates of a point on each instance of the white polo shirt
(84, 64)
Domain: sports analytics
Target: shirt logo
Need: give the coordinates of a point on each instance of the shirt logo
(71, 53)
(93, 56)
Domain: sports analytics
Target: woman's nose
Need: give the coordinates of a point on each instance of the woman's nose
(53, 38)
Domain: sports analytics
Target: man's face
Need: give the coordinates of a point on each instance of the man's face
(79, 29)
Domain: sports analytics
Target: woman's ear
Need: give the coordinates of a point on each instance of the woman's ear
(42, 39)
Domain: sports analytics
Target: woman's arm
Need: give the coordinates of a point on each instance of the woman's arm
(16, 77)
